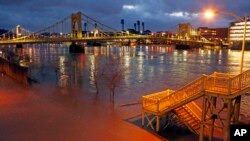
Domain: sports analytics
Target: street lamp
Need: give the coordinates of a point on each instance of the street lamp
(211, 13)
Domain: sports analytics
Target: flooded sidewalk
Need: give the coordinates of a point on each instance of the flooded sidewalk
(39, 113)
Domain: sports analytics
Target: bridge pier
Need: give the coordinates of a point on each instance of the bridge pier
(76, 48)
(19, 45)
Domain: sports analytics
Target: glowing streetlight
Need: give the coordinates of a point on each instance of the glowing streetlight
(210, 14)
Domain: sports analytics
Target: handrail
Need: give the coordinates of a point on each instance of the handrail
(188, 91)
(152, 100)
(194, 107)
(220, 83)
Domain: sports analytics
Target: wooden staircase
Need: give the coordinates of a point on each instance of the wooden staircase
(188, 118)
(181, 101)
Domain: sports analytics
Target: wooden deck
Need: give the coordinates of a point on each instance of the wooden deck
(182, 101)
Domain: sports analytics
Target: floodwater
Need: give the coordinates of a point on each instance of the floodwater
(142, 70)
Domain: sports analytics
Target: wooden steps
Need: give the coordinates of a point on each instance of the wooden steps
(188, 118)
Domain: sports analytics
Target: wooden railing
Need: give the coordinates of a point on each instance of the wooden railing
(152, 100)
(159, 102)
(219, 83)
(196, 110)
(244, 79)
(186, 92)
(227, 84)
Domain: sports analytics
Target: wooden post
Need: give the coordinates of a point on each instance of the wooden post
(143, 117)
(229, 85)
(201, 137)
(157, 123)
(212, 120)
(143, 112)
(228, 120)
(237, 110)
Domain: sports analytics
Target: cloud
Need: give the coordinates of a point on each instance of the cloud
(182, 14)
(157, 14)
(129, 7)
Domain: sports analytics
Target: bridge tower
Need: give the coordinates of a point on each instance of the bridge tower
(76, 20)
(18, 31)
(184, 30)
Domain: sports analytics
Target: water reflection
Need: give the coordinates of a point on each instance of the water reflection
(151, 68)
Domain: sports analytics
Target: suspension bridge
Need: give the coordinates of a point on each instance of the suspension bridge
(79, 27)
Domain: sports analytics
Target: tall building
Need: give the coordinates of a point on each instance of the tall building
(236, 30)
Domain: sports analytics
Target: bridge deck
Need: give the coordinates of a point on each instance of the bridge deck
(59, 39)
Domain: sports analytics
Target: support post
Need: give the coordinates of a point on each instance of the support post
(157, 123)
(143, 118)
(213, 118)
(228, 120)
(201, 137)
(237, 110)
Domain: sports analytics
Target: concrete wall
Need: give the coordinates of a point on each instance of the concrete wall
(14, 71)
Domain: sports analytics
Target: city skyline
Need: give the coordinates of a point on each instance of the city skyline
(156, 14)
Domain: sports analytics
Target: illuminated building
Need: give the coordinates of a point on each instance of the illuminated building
(236, 34)
(214, 34)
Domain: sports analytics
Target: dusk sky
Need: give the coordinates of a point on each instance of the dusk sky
(157, 14)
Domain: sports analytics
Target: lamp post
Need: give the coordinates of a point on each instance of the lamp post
(228, 101)
(210, 14)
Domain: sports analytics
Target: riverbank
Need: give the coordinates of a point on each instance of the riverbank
(53, 114)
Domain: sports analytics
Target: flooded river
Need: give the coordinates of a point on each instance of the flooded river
(148, 68)
(143, 69)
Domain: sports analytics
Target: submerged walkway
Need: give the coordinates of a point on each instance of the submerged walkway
(40, 113)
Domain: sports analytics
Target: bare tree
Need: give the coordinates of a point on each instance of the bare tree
(109, 71)
(96, 72)
(114, 73)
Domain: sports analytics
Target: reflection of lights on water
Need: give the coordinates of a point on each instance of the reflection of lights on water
(219, 61)
(209, 52)
(62, 65)
(185, 52)
(161, 58)
(163, 49)
(175, 53)
(127, 61)
(92, 68)
(202, 52)
(140, 53)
